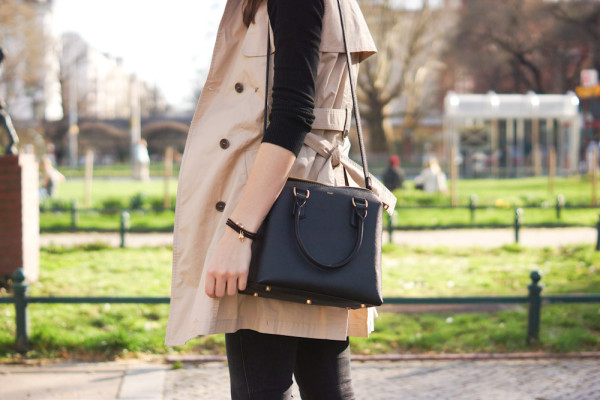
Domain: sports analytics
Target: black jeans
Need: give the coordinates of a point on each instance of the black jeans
(261, 367)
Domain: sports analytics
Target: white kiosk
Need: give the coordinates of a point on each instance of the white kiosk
(515, 134)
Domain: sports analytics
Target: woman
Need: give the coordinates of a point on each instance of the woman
(230, 169)
(431, 179)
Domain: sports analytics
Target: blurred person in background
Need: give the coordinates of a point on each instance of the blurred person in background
(51, 178)
(431, 179)
(393, 176)
(142, 161)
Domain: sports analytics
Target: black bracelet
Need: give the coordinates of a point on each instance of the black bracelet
(239, 228)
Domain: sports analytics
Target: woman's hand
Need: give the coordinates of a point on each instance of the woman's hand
(227, 268)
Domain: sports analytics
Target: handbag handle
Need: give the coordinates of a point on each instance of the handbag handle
(360, 210)
(361, 144)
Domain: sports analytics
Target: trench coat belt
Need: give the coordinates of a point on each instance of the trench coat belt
(332, 119)
(332, 152)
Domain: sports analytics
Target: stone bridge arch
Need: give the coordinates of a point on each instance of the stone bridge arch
(162, 134)
(109, 143)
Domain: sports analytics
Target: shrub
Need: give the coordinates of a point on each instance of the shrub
(112, 205)
(54, 205)
(157, 204)
(137, 202)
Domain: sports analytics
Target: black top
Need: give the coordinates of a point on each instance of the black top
(297, 28)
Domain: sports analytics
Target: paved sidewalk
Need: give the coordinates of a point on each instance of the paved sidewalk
(83, 381)
(373, 380)
(534, 237)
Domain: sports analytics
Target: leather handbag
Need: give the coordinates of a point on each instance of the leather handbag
(321, 244)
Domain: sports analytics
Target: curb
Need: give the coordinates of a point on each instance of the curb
(198, 359)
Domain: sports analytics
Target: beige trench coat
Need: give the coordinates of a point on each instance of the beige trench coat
(223, 140)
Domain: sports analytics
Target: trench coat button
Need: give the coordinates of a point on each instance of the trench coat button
(220, 206)
(239, 87)
(224, 143)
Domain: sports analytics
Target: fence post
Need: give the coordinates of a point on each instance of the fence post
(473, 207)
(74, 215)
(391, 228)
(518, 222)
(598, 236)
(124, 226)
(560, 203)
(20, 290)
(535, 307)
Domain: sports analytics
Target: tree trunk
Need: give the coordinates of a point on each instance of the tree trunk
(377, 138)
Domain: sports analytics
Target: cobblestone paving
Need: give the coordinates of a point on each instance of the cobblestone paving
(420, 380)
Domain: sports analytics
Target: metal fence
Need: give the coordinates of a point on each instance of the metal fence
(533, 299)
(517, 224)
(559, 206)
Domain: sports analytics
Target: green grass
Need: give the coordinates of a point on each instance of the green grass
(115, 170)
(505, 192)
(492, 217)
(405, 218)
(563, 329)
(430, 272)
(106, 331)
(490, 192)
(498, 198)
(105, 189)
(139, 221)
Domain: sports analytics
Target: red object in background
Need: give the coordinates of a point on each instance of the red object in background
(394, 161)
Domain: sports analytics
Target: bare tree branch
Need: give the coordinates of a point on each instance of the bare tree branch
(407, 41)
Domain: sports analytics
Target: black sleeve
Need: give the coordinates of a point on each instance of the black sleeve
(297, 28)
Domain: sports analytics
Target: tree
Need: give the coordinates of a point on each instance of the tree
(583, 17)
(25, 44)
(515, 46)
(400, 80)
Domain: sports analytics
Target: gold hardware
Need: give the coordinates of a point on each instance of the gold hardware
(307, 192)
(366, 203)
(268, 288)
(362, 306)
(308, 301)
(241, 233)
(255, 294)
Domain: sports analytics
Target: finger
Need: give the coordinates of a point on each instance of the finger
(232, 285)
(209, 286)
(221, 281)
(242, 281)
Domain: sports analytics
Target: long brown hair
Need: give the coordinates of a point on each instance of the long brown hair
(250, 10)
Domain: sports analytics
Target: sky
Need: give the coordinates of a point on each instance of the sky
(166, 42)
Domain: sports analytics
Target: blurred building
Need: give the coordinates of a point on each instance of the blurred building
(512, 135)
(29, 80)
(101, 85)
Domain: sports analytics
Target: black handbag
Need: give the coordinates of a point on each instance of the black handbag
(321, 244)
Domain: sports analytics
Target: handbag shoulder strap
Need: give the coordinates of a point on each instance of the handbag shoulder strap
(363, 155)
